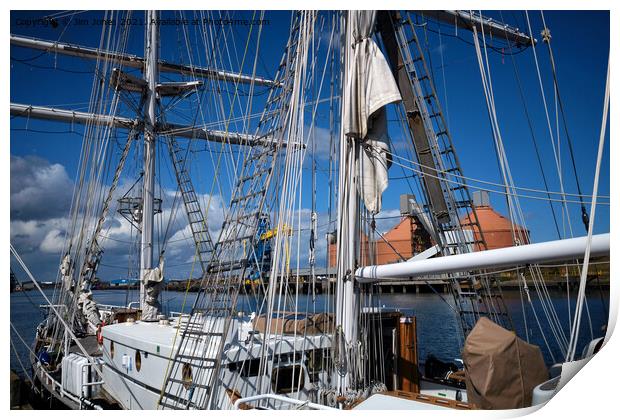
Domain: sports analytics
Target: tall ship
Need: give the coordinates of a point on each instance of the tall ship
(352, 97)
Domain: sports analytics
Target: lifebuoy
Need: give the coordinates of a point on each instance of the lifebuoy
(100, 333)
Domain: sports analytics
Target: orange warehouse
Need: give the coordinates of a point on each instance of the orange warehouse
(409, 237)
(497, 230)
(400, 243)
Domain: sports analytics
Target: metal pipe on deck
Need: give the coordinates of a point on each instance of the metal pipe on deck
(564, 249)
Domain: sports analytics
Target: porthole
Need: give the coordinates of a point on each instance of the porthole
(138, 360)
(111, 349)
(187, 376)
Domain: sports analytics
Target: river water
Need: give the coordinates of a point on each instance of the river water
(438, 330)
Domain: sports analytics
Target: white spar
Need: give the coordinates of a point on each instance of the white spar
(564, 249)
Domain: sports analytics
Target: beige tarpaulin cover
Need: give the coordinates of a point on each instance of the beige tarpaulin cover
(289, 323)
(501, 370)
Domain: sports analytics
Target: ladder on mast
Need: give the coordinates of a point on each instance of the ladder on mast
(449, 200)
(195, 216)
(206, 328)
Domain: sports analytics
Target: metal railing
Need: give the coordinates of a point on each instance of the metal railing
(57, 388)
(298, 404)
(86, 384)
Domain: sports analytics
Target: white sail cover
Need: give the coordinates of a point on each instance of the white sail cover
(89, 309)
(152, 284)
(374, 161)
(65, 271)
(370, 87)
(154, 275)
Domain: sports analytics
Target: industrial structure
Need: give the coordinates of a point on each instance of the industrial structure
(411, 237)
(498, 231)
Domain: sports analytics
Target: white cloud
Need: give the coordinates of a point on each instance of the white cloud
(40, 237)
(321, 136)
(387, 219)
(53, 241)
(28, 235)
(39, 189)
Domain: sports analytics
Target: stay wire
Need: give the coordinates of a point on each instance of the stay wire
(547, 40)
(533, 136)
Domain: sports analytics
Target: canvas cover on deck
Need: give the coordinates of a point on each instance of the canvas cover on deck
(501, 370)
(290, 323)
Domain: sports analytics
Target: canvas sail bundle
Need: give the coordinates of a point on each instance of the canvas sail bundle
(89, 309)
(152, 284)
(501, 370)
(370, 87)
(375, 160)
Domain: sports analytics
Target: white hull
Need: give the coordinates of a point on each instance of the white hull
(140, 387)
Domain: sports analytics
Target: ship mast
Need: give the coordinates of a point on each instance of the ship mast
(151, 74)
(150, 91)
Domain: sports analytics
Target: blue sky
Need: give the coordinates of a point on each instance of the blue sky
(44, 164)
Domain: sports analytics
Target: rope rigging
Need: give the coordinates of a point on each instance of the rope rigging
(261, 192)
(546, 34)
(570, 355)
(534, 142)
(519, 237)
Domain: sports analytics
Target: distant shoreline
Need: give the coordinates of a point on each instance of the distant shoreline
(404, 286)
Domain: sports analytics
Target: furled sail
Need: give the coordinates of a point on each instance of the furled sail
(370, 87)
(65, 271)
(374, 161)
(89, 309)
(152, 284)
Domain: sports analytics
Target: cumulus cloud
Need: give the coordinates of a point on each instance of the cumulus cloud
(37, 247)
(53, 241)
(39, 189)
(40, 201)
(27, 236)
(322, 145)
(41, 194)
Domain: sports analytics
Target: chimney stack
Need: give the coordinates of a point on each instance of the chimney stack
(481, 199)
(406, 204)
